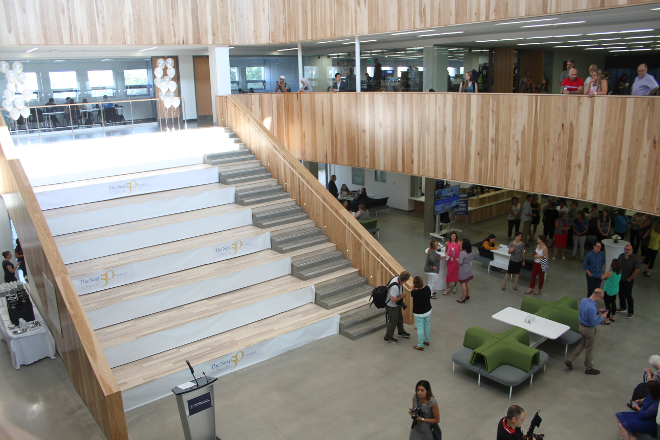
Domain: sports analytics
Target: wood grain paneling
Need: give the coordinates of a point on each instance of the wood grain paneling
(203, 95)
(532, 60)
(364, 251)
(82, 355)
(220, 22)
(602, 150)
(503, 62)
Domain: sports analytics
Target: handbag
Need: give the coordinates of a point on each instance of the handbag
(544, 265)
(435, 428)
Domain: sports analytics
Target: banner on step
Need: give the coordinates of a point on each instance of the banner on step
(171, 263)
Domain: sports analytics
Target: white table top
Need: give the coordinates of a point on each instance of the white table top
(502, 251)
(544, 327)
(610, 242)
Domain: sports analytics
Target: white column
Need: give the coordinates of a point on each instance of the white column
(300, 64)
(220, 74)
(435, 70)
(358, 75)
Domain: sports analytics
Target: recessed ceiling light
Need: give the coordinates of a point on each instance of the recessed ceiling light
(634, 50)
(413, 32)
(617, 47)
(58, 61)
(638, 37)
(527, 44)
(283, 50)
(568, 35)
(149, 48)
(31, 50)
(595, 48)
(622, 32)
(443, 33)
(584, 45)
(485, 41)
(537, 38)
(510, 39)
(525, 21)
(579, 41)
(564, 46)
(607, 39)
(553, 24)
(367, 41)
(621, 50)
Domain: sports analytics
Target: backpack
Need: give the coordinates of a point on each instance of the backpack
(379, 296)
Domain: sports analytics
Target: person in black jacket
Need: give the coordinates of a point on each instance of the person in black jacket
(332, 187)
(509, 427)
(362, 197)
(421, 296)
(8, 267)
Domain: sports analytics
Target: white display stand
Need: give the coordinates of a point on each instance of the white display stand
(613, 250)
(545, 328)
(501, 258)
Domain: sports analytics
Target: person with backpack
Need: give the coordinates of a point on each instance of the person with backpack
(393, 303)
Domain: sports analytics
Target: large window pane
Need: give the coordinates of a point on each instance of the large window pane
(63, 80)
(100, 78)
(32, 84)
(136, 77)
(254, 73)
(233, 74)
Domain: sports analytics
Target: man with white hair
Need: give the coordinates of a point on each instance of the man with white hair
(640, 391)
(281, 86)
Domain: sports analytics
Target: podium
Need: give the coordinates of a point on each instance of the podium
(195, 400)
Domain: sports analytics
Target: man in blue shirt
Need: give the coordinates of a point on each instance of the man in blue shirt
(594, 266)
(590, 317)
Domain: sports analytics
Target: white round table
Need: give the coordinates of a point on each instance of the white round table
(613, 250)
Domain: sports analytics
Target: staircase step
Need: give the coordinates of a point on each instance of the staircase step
(263, 199)
(257, 190)
(300, 244)
(226, 155)
(345, 297)
(241, 172)
(243, 179)
(359, 316)
(231, 134)
(282, 220)
(241, 145)
(277, 212)
(226, 129)
(306, 262)
(365, 328)
(329, 288)
(322, 269)
(293, 235)
(237, 140)
(233, 159)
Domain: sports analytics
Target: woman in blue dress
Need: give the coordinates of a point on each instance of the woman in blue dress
(643, 420)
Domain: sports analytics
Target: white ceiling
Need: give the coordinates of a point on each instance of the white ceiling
(567, 30)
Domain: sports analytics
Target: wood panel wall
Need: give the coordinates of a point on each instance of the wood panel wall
(503, 62)
(203, 94)
(359, 246)
(82, 355)
(602, 150)
(159, 22)
(532, 60)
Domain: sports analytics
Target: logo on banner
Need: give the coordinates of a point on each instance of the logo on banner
(100, 280)
(130, 187)
(229, 363)
(231, 249)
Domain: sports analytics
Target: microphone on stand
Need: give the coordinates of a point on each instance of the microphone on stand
(192, 372)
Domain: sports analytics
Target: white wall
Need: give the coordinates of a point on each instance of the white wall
(187, 81)
(397, 186)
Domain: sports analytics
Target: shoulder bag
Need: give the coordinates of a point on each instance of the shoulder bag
(435, 428)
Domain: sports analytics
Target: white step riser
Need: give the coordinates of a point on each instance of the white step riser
(234, 361)
(186, 294)
(204, 328)
(101, 218)
(122, 187)
(155, 267)
(115, 244)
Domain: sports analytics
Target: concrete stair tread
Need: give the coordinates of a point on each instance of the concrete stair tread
(290, 235)
(249, 178)
(293, 245)
(232, 160)
(244, 171)
(263, 199)
(358, 316)
(322, 269)
(364, 328)
(226, 154)
(244, 164)
(276, 212)
(281, 220)
(333, 287)
(301, 262)
(344, 297)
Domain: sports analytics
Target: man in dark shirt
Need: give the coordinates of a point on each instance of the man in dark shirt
(631, 268)
(509, 427)
(332, 187)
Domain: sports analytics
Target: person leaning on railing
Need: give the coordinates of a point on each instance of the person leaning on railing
(597, 84)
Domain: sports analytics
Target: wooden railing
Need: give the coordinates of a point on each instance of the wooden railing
(602, 149)
(82, 355)
(161, 22)
(358, 245)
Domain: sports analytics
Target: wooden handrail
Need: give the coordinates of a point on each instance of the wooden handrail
(81, 352)
(358, 245)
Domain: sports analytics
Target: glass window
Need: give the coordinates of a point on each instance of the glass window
(370, 71)
(233, 74)
(98, 93)
(63, 80)
(32, 84)
(400, 69)
(63, 95)
(100, 78)
(311, 72)
(135, 91)
(135, 77)
(254, 73)
(381, 176)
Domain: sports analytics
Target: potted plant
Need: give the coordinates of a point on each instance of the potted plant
(616, 238)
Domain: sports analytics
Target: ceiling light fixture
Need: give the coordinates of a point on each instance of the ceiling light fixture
(525, 21)
(621, 50)
(31, 50)
(622, 32)
(553, 24)
(564, 46)
(510, 39)
(149, 48)
(284, 50)
(568, 35)
(634, 50)
(595, 48)
(485, 41)
(413, 32)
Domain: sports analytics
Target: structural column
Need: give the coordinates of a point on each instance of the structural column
(435, 69)
(429, 195)
(220, 74)
(358, 77)
(300, 63)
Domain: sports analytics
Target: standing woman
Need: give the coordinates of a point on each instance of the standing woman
(652, 248)
(422, 310)
(536, 213)
(598, 84)
(465, 270)
(612, 278)
(580, 229)
(561, 235)
(621, 222)
(516, 260)
(422, 425)
(549, 217)
(432, 268)
(541, 253)
(603, 226)
(468, 84)
(8, 267)
(451, 255)
(514, 216)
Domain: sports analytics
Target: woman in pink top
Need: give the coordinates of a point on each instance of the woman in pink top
(451, 255)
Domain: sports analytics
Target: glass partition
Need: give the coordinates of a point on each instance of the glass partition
(261, 74)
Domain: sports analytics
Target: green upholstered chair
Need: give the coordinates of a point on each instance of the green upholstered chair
(507, 348)
(564, 310)
(371, 226)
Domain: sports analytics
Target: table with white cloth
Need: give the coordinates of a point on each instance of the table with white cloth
(441, 283)
(30, 346)
(613, 250)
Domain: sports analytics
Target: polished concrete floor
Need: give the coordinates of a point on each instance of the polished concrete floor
(335, 388)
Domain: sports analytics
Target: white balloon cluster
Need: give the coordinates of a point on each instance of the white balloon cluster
(164, 72)
(16, 96)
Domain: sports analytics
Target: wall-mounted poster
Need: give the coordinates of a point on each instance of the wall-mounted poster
(358, 176)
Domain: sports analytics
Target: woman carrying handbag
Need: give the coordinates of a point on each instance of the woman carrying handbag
(426, 414)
